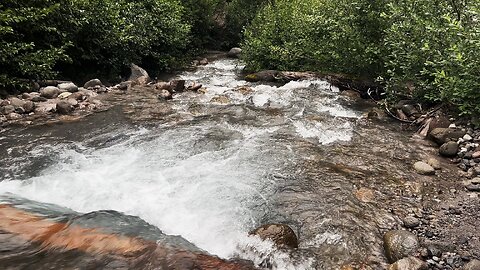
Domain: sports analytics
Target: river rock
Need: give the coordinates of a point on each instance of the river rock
(409, 110)
(262, 76)
(64, 107)
(442, 135)
(423, 168)
(476, 154)
(68, 87)
(29, 106)
(165, 95)
(203, 62)
(472, 184)
(39, 99)
(411, 222)
(139, 75)
(472, 265)
(280, 234)
(92, 83)
(234, 53)
(16, 102)
(409, 263)
(194, 87)
(64, 95)
(124, 86)
(13, 116)
(352, 94)
(365, 195)
(434, 163)
(177, 85)
(7, 109)
(163, 86)
(399, 244)
(220, 99)
(45, 107)
(49, 92)
(449, 149)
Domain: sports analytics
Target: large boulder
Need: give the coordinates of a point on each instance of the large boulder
(449, 149)
(280, 234)
(399, 244)
(472, 265)
(234, 53)
(139, 75)
(49, 92)
(92, 83)
(443, 135)
(68, 87)
(409, 263)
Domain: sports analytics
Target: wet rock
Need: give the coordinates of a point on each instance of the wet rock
(163, 86)
(64, 107)
(442, 135)
(472, 265)
(7, 109)
(411, 222)
(139, 75)
(39, 99)
(244, 90)
(399, 244)
(92, 83)
(376, 113)
(194, 87)
(124, 85)
(234, 53)
(220, 99)
(29, 106)
(434, 163)
(68, 87)
(165, 95)
(409, 110)
(352, 94)
(280, 234)
(49, 92)
(472, 184)
(203, 62)
(13, 116)
(409, 263)
(262, 76)
(423, 168)
(448, 149)
(178, 85)
(64, 95)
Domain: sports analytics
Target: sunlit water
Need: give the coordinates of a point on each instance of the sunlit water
(211, 180)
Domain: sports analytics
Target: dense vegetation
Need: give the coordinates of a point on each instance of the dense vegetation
(417, 48)
(424, 49)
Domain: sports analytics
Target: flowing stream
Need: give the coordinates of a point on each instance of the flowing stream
(217, 166)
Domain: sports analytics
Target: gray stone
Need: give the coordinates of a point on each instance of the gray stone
(409, 263)
(411, 222)
(472, 184)
(39, 99)
(423, 168)
(64, 107)
(399, 244)
(7, 109)
(68, 87)
(165, 95)
(472, 265)
(49, 92)
(29, 106)
(280, 234)
(234, 53)
(139, 75)
(13, 116)
(92, 83)
(449, 149)
(442, 135)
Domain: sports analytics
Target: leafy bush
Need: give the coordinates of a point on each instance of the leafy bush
(434, 52)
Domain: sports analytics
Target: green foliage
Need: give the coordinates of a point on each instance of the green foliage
(434, 52)
(420, 48)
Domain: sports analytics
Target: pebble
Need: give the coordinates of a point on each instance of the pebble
(411, 222)
(467, 137)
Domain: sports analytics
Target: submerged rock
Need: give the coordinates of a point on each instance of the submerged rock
(280, 234)
(399, 244)
(409, 263)
(423, 168)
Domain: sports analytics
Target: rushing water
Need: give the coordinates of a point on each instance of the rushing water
(227, 162)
